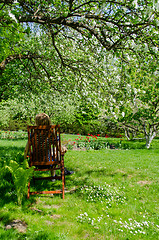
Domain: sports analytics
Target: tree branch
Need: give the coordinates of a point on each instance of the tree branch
(17, 57)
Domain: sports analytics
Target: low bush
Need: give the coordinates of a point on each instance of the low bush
(96, 143)
(13, 134)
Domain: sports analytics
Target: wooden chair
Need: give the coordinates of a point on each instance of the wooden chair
(45, 154)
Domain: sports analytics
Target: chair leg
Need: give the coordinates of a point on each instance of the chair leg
(63, 185)
(28, 195)
(63, 177)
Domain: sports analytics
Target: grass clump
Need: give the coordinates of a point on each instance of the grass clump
(105, 194)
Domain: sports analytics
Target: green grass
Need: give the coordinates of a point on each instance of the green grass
(113, 194)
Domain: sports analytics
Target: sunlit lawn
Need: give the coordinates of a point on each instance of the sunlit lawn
(113, 194)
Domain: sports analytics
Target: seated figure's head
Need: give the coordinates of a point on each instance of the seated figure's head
(42, 119)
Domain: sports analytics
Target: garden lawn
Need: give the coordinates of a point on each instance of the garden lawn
(113, 194)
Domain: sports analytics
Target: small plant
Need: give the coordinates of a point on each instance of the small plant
(20, 175)
(105, 194)
(85, 218)
(91, 142)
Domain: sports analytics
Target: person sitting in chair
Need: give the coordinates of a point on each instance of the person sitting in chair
(40, 120)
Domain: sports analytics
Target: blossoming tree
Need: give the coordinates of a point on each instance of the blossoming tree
(134, 98)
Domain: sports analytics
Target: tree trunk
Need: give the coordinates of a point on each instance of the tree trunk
(149, 138)
(127, 134)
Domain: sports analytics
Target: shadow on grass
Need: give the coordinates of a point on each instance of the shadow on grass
(105, 172)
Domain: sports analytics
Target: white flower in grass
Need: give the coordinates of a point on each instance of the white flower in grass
(146, 223)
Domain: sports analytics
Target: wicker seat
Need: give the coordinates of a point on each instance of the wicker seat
(45, 154)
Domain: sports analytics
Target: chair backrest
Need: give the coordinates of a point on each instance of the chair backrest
(44, 145)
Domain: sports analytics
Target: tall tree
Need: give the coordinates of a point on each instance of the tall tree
(64, 43)
(103, 24)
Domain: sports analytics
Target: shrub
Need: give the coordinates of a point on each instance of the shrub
(96, 143)
(13, 135)
(20, 175)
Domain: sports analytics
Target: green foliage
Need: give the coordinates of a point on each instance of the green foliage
(93, 142)
(86, 111)
(21, 173)
(18, 114)
(134, 144)
(70, 54)
(13, 135)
